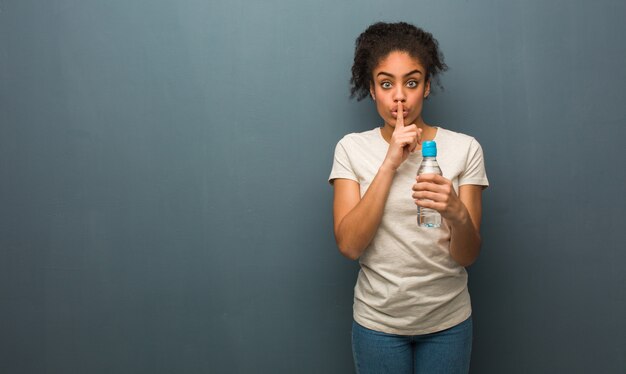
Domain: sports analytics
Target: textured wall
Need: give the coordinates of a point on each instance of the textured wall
(163, 197)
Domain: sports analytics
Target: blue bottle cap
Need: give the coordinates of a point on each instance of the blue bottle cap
(429, 148)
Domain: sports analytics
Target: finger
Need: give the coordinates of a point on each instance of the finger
(430, 187)
(400, 115)
(433, 178)
(428, 195)
(430, 204)
(413, 132)
(419, 136)
(415, 142)
(404, 139)
(407, 141)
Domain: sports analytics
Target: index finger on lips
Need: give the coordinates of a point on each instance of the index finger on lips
(400, 115)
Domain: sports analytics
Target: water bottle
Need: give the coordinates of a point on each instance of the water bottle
(428, 217)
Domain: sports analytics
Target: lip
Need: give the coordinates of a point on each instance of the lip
(394, 113)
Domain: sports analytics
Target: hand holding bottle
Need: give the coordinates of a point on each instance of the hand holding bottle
(436, 192)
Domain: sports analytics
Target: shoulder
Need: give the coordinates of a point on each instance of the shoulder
(456, 141)
(366, 140)
(354, 153)
(463, 154)
(360, 137)
(456, 138)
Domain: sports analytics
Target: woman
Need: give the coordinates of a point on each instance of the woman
(412, 311)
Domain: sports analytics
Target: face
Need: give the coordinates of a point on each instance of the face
(399, 77)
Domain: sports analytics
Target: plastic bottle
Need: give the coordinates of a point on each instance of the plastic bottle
(428, 217)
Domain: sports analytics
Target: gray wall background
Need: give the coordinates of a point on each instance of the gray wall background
(163, 197)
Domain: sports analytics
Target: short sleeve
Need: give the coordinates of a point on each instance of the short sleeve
(342, 167)
(474, 172)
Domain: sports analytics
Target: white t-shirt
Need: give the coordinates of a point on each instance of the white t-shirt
(408, 283)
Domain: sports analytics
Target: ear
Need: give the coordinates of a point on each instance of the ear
(372, 92)
(427, 89)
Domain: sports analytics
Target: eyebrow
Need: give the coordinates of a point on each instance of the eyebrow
(406, 75)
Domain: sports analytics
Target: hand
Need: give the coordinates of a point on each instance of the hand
(436, 192)
(403, 141)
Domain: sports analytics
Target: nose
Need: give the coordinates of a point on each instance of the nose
(399, 95)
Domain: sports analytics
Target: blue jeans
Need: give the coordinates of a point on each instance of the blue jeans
(445, 352)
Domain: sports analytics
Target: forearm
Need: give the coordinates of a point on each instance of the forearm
(357, 229)
(465, 239)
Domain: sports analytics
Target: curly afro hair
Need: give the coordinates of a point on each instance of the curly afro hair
(380, 39)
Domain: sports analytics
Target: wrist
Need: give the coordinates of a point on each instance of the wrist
(460, 218)
(388, 167)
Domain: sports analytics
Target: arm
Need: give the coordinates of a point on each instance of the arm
(465, 241)
(356, 219)
(462, 212)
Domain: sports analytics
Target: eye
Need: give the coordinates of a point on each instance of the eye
(385, 84)
(411, 84)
